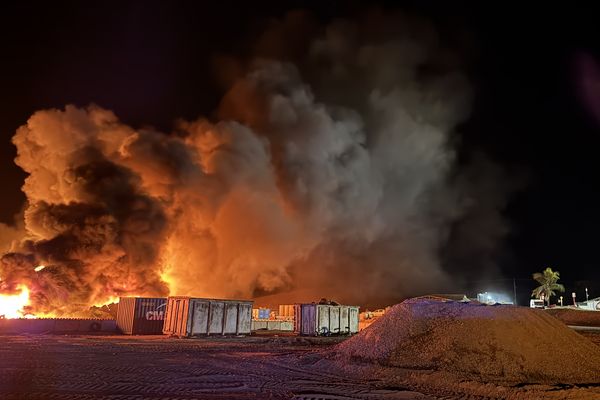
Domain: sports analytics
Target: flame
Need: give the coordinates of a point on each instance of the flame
(111, 299)
(12, 305)
(167, 277)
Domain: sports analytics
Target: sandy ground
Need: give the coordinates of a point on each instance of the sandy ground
(286, 367)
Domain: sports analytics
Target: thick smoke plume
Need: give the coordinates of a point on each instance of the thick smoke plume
(330, 174)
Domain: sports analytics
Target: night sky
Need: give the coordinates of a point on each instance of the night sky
(153, 62)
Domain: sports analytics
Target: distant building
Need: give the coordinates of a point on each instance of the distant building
(591, 304)
(444, 297)
(493, 298)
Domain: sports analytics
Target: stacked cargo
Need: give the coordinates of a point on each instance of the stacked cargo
(325, 319)
(272, 325)
(261, 313)
(188, 316)
(286, 311)
(270, 320)
(141, 315)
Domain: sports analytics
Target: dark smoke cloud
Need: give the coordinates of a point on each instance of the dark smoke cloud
(87, 219)
(332, 169)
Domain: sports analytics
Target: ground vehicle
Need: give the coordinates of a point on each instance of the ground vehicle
(536, 303)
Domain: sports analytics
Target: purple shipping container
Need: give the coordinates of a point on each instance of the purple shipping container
(141, 315)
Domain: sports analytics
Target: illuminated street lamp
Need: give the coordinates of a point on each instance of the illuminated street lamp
(586, 295)
(561, 303)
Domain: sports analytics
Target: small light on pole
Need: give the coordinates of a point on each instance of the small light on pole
(561, 302)
(586, 295)
(574, 297)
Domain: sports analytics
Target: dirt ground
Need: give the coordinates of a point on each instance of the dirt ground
(260, 367)
(574, 316)
(593, 336)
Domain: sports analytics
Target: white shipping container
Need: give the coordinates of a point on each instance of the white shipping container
(189, 316)
(322, 319)
(287, 326)
(258, 325)
(272, 325)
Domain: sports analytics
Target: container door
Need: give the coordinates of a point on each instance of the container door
(149, 315)
(297, 318)
(323, 322)
(231, 318)
(344, 319)
(167, 325)
(353, 316)
(174, 314)
(125, 314)
(285, 311)
(199, 317)
(308, 321)
(334, 319)
(180, 317)
(216, 317)
(244, 319)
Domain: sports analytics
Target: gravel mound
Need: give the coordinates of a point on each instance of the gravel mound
(478, 342)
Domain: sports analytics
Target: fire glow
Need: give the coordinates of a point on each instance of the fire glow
(12, 305)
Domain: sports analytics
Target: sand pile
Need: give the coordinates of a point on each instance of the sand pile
(491, 343)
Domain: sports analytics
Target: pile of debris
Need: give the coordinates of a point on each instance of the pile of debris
(476, 342)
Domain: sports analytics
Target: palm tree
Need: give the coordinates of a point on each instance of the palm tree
(548, 284)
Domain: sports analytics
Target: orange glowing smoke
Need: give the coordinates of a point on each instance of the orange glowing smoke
(292, 189)
(12, 305)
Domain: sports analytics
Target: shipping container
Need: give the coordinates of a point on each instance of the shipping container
(189, 316)
(323, 319)
(272, 325)
(141, 315)
(261, 313)
(286, 311)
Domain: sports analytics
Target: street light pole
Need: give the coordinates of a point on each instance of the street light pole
(586, 295)
(514, 291)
